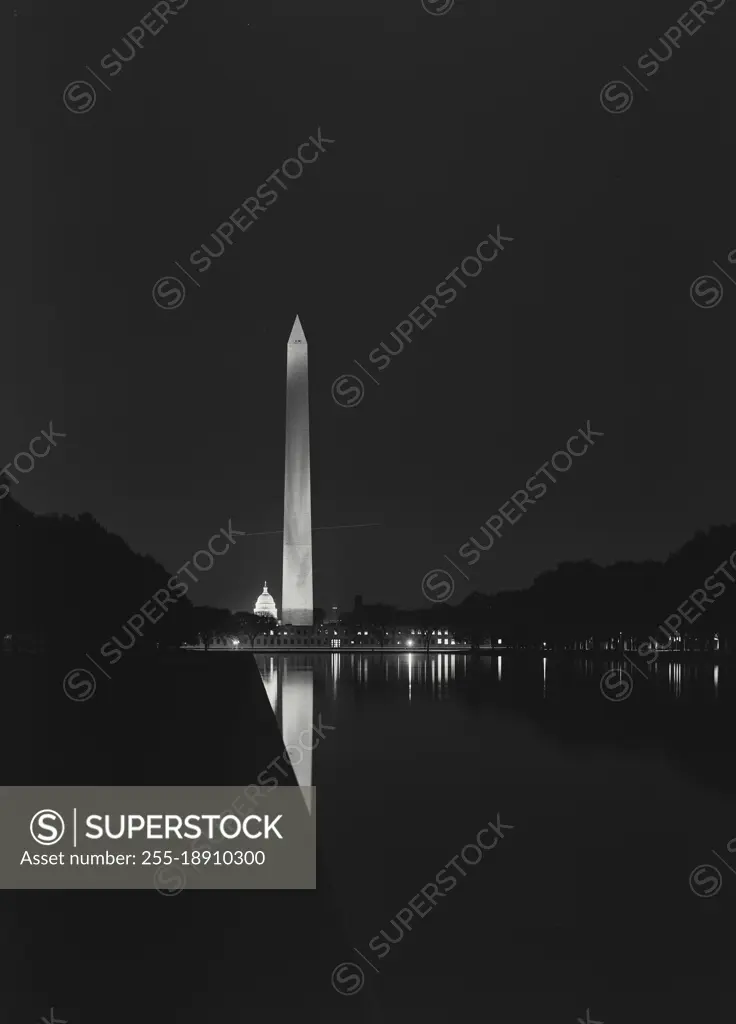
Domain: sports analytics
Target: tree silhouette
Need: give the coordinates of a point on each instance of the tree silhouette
(69, 583)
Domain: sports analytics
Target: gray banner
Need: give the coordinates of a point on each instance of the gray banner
(157, 837)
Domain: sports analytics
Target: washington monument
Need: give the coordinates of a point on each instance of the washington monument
(296, 593)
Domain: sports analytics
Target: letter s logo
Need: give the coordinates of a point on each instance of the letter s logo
(438, 585)
(706, 291)
(616, 102)
(348, 390)
(47, 827)
(346, 981)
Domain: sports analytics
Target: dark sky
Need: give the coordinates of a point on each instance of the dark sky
(445, 128)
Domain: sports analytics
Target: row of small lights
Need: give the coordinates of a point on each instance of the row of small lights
(410, 643)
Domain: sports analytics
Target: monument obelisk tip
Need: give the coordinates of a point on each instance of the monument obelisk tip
(297, 333)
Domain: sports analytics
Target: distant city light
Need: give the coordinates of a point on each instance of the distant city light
(236, 642)
(409, 642)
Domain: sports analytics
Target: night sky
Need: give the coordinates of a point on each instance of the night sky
(445, 128)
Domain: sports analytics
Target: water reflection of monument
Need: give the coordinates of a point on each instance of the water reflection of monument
(289, 684)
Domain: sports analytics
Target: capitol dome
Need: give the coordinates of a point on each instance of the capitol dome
(265, 605)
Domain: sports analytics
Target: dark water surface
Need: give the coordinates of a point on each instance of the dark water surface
(191, 957)
(586, 902)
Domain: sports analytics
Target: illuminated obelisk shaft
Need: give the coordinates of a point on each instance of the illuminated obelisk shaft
(296, 596)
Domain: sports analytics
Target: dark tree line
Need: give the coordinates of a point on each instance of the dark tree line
(577, 601)
(70, 582)
(66, 582)
(695, 584)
